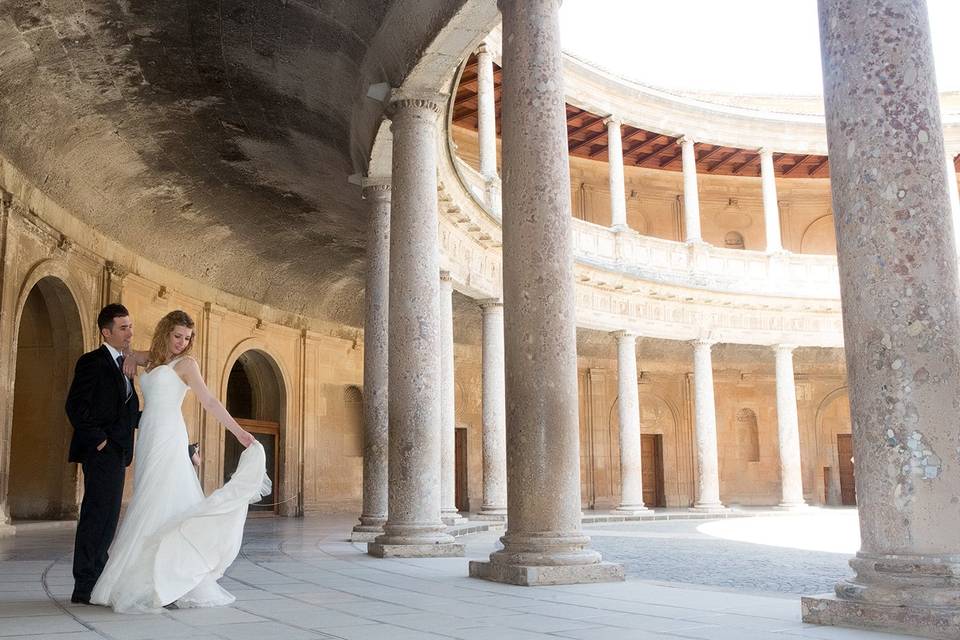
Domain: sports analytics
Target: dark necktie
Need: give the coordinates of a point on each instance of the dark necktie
(126, 380)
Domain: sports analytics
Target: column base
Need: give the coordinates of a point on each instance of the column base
(7, 529)
(426, 550)
(630, 510)
(619, 228)
(709, 508)
(451, 518)
(360, 535)
(792, 506)
(927, 621)
(532, 576)
(495, 515)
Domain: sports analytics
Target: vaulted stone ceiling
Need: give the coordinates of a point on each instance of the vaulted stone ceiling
(214, 138)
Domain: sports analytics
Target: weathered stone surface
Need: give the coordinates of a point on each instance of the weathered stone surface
(942, 623)
(542, 575)
(437, 550)
(494, 415)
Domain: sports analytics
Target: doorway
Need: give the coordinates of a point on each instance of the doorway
(461, 499)
(42, 485)
(651, 465)
(848, 488)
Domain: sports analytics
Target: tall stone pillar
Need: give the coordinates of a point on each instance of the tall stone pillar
(691, 197)
(771, 209)
(628, 410)
(618, 196)
(413, 526)
(544, 542)
(705, 429)
(375, 359)
(954, 193)
(494, 415)
(898, 279)
(448, 407)
(788, 431)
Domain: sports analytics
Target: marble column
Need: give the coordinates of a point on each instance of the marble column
(413, 526)
(375, 358)
(954, 194)
(448, 407)
(691, 197)
(898, 278)
(487, 126)
(494, 415)
(628, 410)
(705, 430)
(544, 542)
(788, 431)
(771, 210)
(618, 196)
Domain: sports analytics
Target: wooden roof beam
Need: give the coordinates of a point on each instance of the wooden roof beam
(670, 159)
(640, 146)
(727, 158)
(642, 159)
(818, 166)
(583, 127)
(709, 154)
(590, 140)
(796, 164)
(746, 163)
(630, 136)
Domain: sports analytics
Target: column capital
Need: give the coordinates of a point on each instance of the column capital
(623, 334)
(703, 341)
(783, 348)
(405, 103)
(765, 151)
(445, 276)
(685, 139)
(375, 187)
(490, 303)
(482, 48)
(612, 119)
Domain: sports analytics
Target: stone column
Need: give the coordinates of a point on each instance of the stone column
(898, 278)
(448, 407)
(705, 428)
(691, 197)
(628, 410)
(544, 542)
(375, 358)
(486, 114)
(618, 196)
(494, 415)
(954, 194)
(788, 431)
(771, 210)
(413, 526)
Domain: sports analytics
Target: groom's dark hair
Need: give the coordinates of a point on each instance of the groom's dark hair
(109, 313)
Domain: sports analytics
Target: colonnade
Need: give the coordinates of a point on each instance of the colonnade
(901, 325)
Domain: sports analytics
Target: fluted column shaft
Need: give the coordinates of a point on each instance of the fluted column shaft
(375, 359)
(705, 429)
(448, 398)
(413, 519)
(486, 114)
(771, 209)
(691, 196)
(898, 278)
(618, 196)
(628, 410)
(788, 430)
(544, 542)
(494, 413)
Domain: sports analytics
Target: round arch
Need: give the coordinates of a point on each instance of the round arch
(50, 333)
(659, 418)
(831, 421)
(819, 237)
(255, 390)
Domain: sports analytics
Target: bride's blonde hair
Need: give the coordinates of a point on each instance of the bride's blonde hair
(169, 322)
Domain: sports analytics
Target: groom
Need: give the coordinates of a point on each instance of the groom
(104, 409)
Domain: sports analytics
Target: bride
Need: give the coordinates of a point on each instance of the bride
(174, 543)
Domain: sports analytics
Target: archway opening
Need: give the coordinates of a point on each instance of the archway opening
(257, 399)
(43, 486)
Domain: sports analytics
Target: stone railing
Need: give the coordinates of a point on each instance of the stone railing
(700, 266)
(652, 287)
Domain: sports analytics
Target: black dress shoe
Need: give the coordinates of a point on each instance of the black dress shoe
(80, 598)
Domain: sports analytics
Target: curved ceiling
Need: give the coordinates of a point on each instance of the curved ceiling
(214, 138)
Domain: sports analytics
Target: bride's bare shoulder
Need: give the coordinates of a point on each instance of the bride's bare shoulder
(185, 363)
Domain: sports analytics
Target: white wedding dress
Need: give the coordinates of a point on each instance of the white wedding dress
(174, 543)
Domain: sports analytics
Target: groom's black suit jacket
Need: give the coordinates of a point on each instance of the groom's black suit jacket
(99, 409)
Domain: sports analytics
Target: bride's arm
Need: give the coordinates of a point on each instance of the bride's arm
(133, 359)
(189, 371)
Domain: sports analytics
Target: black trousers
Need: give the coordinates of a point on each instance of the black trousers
(103, 475)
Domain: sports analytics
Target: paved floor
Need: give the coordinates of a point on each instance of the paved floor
(301, 579)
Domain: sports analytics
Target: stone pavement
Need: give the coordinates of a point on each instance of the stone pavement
(300, 578)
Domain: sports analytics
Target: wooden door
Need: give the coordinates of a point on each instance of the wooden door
(651, 465)
(268, 434)
(460, 457)
(848, 490)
